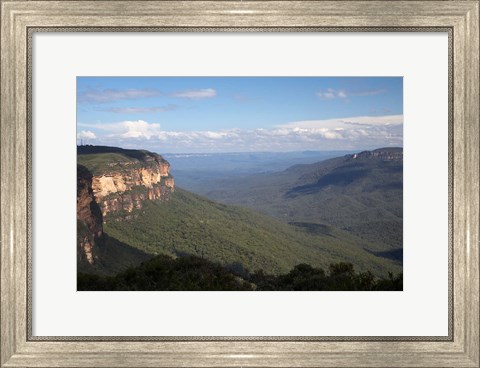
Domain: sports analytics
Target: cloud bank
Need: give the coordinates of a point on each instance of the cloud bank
(86, 134)
(342, 134)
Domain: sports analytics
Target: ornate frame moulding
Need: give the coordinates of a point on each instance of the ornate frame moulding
(21, 19)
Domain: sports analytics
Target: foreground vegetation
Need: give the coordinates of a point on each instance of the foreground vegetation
(192, 273)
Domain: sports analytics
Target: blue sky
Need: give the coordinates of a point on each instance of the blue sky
(240, 114)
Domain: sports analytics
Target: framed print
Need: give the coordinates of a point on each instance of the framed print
(211, 183)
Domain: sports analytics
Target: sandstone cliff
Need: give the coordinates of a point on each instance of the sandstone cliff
(128, 190)
(124, 179)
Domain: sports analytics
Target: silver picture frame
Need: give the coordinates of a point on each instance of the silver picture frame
(20, 20)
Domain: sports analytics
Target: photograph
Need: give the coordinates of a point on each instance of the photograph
(240, 183)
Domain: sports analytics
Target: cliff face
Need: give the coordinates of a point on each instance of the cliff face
(128, 189)
(89, 216)
(124, 179)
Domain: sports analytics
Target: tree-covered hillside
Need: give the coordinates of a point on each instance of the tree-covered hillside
(361, 194)
(193, 225)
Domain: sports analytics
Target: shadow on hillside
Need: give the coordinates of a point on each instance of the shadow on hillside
(335, 178)
(313, 228)
(394, 254)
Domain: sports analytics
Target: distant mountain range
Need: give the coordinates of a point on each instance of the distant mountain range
(199, 170)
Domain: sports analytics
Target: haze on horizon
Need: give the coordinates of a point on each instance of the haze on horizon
(240, 114)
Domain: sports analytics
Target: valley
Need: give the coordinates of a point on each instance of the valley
(343, 210)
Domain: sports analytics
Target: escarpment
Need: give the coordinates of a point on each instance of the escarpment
(384, 154)
(128, 189)
(114, 181)
(123, 179)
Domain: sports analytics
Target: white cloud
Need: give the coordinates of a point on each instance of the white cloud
(332, 135)
(110, 95)
(346, 123)
(94, 96)
(130, 129)
(139, 110)
(331, 93)
(86, 134)
(371, 92)
(215, 135)
(139, 129)
(196, 94)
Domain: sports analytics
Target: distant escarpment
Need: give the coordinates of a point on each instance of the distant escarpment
(122, 179)
(384, 154)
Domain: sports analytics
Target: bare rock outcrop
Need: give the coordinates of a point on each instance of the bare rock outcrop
(129, 188)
